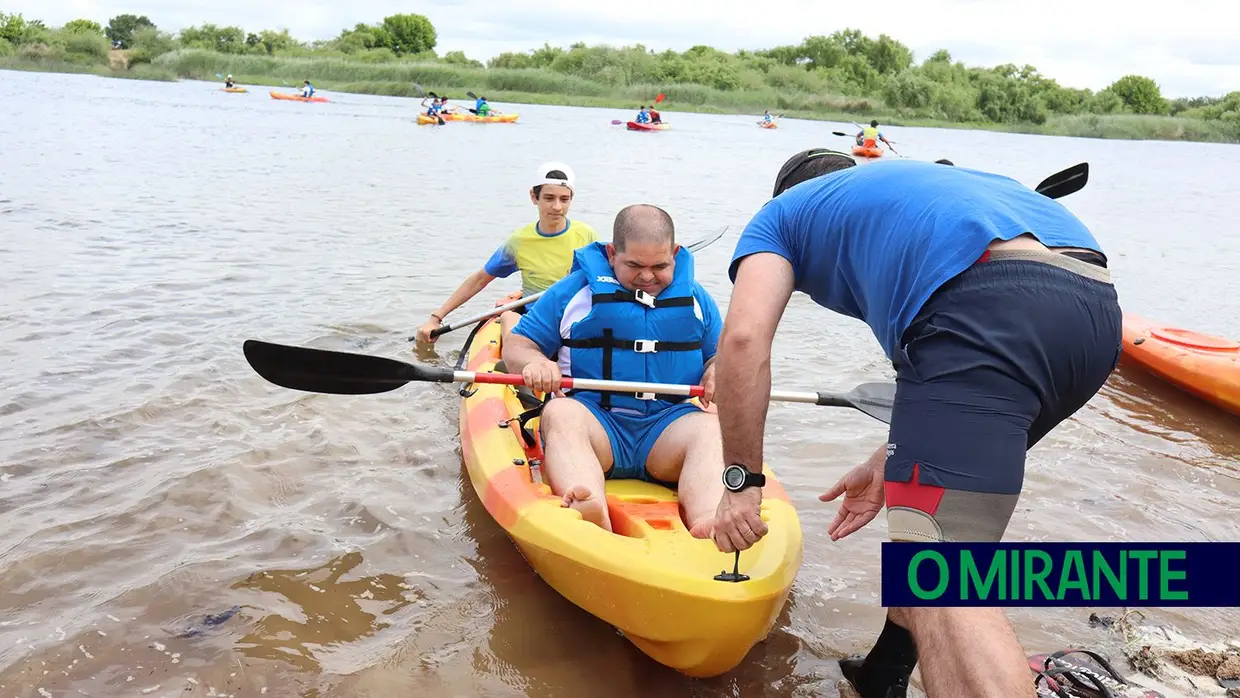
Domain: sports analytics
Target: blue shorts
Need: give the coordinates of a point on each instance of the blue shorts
(997, 357)
(632, 437)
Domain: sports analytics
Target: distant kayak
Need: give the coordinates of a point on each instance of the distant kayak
(471, 118)
(767, 124)
(862, 151)
(1201, 364)
(233, 89)
(296, 97)
(634, 126)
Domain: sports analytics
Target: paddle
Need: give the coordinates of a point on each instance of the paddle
(1066, 182)
(344, 373)
(693, 247)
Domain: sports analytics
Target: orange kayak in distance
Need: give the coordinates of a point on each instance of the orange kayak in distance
(295, 97)
(1203, 365)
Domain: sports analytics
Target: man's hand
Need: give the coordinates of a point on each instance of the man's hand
(543, 376)
(738, 520)
(708, 383)
(863, 491)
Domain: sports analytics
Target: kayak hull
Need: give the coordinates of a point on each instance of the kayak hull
(234, 90)
(471, 118)
(1203, 365)
(650, 579)
(864, 152)
(295, 98)
(768, 125)
(634, 126)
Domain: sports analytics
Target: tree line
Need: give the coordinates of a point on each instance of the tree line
(846, 63)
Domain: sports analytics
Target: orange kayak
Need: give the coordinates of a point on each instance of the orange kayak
(649, 578)
(295, 97)
(862, 151)
(1204, 365)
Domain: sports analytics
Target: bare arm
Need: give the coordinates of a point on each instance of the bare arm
(764, 283)
(469, 288)
(519, 352)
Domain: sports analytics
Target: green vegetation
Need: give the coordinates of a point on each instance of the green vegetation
(843, 76)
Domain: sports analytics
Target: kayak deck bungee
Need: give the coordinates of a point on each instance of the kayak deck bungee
(295, 97)
(471, 118)
(634, 126)
(1200, 364)
(650, 578)
(862, 151)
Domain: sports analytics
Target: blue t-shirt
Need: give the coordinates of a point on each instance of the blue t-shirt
(541, 324)
(873, 242)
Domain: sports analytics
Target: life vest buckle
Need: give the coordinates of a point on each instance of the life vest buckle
(644, 298)
(644, 396)
(646, 346)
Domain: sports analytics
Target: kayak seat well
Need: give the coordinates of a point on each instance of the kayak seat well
(642, 517)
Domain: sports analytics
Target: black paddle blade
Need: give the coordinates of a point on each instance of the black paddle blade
(874, 399)
(334, 372)
(1066, 182)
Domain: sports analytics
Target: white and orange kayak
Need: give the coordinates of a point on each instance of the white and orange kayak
(1204, 365)
(650, 578)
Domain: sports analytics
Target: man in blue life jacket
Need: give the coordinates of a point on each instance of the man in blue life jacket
(307, 90)
(643, 116)
(629, 311)
(996, 308)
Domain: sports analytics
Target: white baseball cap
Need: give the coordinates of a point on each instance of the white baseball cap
(569, 178)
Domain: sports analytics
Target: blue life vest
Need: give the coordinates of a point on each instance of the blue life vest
(633, 336)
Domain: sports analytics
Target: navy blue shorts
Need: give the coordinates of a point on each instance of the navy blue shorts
(997, 357)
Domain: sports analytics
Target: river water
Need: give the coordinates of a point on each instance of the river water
(149, 478)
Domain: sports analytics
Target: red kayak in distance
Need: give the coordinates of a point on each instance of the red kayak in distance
(634, 126)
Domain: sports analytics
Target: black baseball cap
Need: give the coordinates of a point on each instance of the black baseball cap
(799, 160)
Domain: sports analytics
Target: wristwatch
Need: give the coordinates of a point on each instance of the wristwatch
(737, 478)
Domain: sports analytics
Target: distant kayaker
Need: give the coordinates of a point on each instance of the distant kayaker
(630, 310)
(766, 116)
(643, 116)
(542, 251)
(228, 81)
(307, 90)
(996, 308)
(434, 107)
(654, 117)
(869, 136)
(484, 107)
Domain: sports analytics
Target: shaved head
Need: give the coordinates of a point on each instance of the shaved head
(642, 224)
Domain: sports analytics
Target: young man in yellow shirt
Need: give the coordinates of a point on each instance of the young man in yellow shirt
(542, 251)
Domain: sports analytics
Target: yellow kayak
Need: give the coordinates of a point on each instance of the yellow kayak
(233, 89)
(471, 118)
(650, 578)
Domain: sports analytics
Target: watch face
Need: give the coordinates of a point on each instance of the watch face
(734, 476)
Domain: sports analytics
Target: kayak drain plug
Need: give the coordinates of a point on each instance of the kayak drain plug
(735, 575)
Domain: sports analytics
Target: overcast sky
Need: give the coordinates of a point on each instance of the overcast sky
(1189, 47)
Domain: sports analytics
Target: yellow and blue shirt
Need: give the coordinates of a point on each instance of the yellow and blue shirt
(542, 258)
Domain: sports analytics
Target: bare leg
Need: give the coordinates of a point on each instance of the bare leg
(576, 454)
(690, 452)
(967, 652)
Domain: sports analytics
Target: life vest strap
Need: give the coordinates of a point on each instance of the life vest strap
(641, 346)
(643, 298)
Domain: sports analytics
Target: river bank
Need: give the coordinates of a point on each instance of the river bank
(541, 86)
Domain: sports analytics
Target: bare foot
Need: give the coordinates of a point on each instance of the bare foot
(593, 509)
